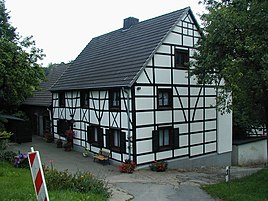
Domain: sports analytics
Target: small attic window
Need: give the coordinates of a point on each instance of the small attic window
(181, 58)
(114, 99)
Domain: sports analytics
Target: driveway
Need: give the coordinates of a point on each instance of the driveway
(143, 184)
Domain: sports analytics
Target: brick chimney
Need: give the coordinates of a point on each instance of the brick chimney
(128, 22)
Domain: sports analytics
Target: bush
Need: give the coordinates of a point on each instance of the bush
(7, 156)
(4, 139)
(127, 167)
(159, 166)
(83, 182)
(21, 161)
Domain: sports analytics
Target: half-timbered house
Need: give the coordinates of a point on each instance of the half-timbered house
(130, 92)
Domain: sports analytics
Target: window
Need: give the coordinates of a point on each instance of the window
(95, 135)
(84, 99)
(62, 126)
(164, 98)
(165, 138)
(116, 140)
(114, 96)
(61, 99)
(181, 58)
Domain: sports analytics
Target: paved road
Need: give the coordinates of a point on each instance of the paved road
(142, 185)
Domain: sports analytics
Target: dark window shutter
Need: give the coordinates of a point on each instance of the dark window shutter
(108, 138)
(100, 137)
(155, 141)
(90, 134)
(176, 138)
(58, 127)
(123, 142)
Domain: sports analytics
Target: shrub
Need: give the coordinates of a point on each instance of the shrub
(127, 167)
(21, 161)
(4, 139)
(7, 156)
(159, 166)
(83, 182)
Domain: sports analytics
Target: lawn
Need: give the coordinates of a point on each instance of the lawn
(251, 188)
(16, 185)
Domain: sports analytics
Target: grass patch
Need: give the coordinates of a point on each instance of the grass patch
(16, 184)
(253, 188)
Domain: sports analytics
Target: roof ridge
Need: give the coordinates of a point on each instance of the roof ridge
(128, 52)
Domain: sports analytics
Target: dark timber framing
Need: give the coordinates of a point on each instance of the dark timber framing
(191, 115)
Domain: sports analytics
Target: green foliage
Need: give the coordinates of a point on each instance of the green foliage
(253, 188)
(234, 49)
(16, 184)
(78, 182)
(5, 135)
(20, 73)
(4, 139)
(7, 156)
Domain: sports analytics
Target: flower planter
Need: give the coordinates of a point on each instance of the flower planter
(127, 167)
(159, 166)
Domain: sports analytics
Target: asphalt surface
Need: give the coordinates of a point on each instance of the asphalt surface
(143, 184)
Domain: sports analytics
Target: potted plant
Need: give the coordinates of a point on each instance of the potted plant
(159, 166)
(127, 167)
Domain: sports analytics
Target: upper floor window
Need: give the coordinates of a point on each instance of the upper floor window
(84, 99)
(164, 98)
(61, 99)
(114, 96)
(181, 58)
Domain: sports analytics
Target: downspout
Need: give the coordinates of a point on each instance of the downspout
(128, 125)
(50, 119)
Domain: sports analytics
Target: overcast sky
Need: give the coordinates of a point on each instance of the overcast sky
(62, 28)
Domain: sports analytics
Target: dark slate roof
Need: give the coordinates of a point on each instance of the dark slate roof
(116, 59)
(43, 97)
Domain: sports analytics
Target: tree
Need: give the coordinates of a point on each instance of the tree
(234, 49)
(20, 73)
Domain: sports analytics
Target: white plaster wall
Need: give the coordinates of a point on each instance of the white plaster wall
(196, 150)
(162, 76)
(173, 38)
(163, 155)
(180, 77)
(253, 152)
(163, 116)
(224, 132)
(144, 103)
(162, 60)
(188, 41)
(144, 146)
(145, 132)
(210, 147)
(181, 152)
(143, 118)
(145, 158)
(164, 49)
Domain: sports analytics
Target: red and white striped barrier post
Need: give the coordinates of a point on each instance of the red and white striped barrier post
(38, 175)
